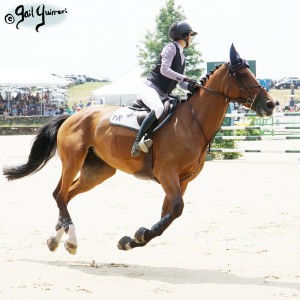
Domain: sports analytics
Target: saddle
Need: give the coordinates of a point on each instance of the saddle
(132, 116)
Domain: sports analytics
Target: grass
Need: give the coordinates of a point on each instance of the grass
(281, 95)
(83, 92)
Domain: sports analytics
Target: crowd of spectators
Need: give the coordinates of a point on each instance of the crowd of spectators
(28, 104)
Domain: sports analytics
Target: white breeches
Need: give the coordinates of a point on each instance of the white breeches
(151, 98)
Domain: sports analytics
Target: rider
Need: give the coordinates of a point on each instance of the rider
(162, 80)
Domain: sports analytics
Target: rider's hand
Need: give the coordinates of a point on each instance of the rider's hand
(192, 84)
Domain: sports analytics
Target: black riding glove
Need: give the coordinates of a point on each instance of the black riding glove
(192, 84)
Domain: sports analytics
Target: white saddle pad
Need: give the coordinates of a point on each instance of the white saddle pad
(125, 117)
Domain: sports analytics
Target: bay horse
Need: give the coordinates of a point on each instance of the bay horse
(91, 149)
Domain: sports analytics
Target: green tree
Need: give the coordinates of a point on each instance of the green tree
(150, 48)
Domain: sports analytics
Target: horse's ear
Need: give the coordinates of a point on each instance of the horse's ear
(234, 56)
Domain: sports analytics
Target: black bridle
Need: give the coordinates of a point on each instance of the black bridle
(251, 100)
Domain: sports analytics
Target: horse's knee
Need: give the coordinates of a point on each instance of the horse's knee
(177, 209)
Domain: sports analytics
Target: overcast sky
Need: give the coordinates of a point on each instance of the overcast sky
(97, 37)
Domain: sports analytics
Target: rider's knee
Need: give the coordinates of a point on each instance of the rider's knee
(158, 111)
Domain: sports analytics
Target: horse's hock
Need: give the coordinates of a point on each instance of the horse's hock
(22, 125)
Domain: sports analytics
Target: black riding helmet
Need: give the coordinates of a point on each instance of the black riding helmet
(180, 31)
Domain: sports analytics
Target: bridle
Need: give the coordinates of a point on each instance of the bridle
(251, 100)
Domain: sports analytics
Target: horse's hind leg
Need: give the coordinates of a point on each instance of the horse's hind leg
(71, 165)
(54, 241)
(172, 209)
(64, 223)
(93, 172)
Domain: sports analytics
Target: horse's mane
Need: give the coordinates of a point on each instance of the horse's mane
(203, 80)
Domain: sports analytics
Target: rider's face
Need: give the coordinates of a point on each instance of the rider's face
(189, 38)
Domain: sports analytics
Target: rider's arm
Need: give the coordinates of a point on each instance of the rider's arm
(167, 55)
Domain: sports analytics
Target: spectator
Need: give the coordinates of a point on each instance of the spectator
(277, 106)
(14, 110)
(292, 104)
(28, 104)
(292, 89)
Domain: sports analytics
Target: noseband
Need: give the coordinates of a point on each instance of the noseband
(233, 73)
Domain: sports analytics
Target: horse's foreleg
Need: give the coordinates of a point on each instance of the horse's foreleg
(166, 207)
(172, 209)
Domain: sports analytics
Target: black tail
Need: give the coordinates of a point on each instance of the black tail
(42, 150)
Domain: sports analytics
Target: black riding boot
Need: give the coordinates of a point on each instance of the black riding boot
(146, 125)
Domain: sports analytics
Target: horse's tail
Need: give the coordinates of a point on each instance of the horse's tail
(42, 150)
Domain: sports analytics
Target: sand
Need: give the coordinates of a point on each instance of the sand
(238, 238)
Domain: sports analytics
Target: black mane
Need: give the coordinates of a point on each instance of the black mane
(203, 80)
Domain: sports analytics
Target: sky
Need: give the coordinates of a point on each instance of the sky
(100, 38)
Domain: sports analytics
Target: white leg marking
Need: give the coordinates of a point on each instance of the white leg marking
(59, 234)
(54, 241)
(72, 235)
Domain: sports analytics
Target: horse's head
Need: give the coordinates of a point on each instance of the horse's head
(245, 89)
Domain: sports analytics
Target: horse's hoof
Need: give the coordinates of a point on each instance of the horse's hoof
(71, 248)
(125, 243)
(52, 244)
(139, 236)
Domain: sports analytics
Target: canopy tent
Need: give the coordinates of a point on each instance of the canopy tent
(122, 91)
(28, 77)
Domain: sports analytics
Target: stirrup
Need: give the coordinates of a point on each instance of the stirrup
(145, 145)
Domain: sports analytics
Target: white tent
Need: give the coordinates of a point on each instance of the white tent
(28, 77)
(122, 91)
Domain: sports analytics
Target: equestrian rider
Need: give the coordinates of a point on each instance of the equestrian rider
(162, 80)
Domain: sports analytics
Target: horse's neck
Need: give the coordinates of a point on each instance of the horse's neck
(209, 109)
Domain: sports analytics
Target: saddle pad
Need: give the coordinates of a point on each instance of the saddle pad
(125, 117)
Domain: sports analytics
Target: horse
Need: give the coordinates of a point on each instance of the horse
(91, 149)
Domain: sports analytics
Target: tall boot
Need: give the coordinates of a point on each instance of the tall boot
(146, 125)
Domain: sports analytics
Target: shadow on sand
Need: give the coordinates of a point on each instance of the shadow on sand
(165, 274)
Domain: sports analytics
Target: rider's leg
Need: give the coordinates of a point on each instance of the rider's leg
(151, 98)
(146, 125)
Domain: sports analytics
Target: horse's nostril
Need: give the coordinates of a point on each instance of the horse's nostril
(270, 104)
